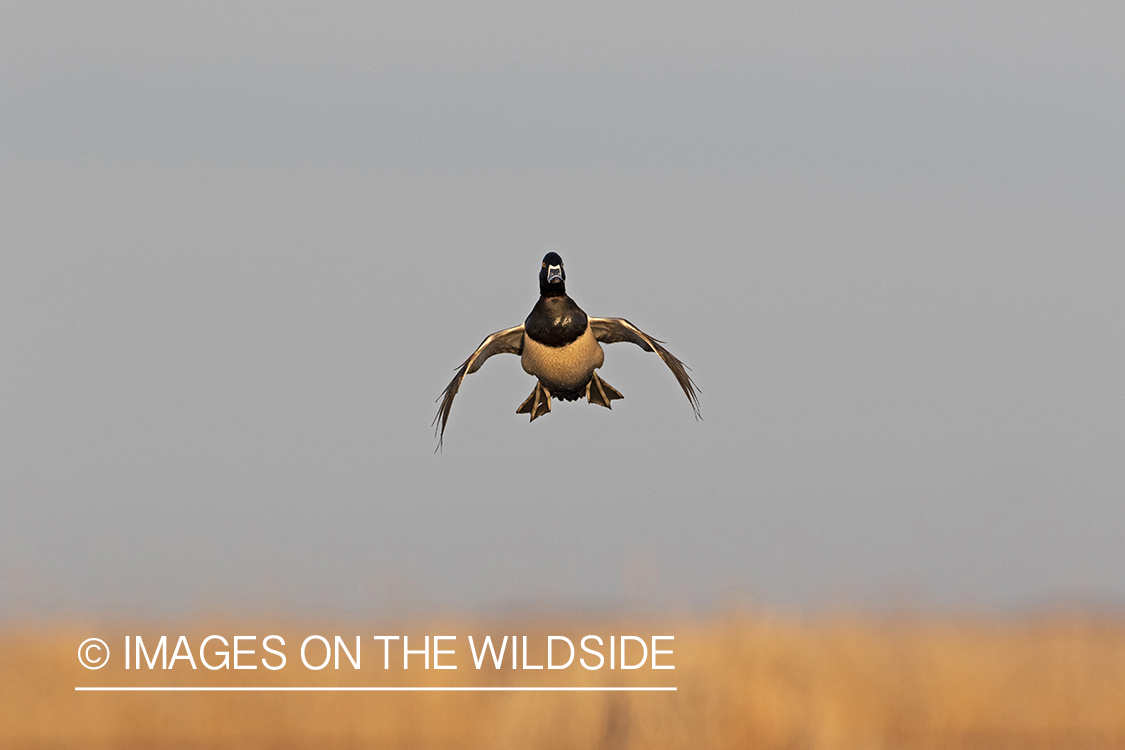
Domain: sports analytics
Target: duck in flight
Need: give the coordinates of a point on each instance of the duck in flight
(561, 346)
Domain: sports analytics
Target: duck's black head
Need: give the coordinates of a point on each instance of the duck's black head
(552, 277)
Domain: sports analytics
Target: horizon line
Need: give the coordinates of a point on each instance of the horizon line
(371, 689)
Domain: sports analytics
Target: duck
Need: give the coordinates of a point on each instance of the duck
(561, 347)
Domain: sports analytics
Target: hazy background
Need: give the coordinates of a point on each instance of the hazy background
(244, 245)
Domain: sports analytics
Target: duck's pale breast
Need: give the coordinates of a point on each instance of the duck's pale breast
(563, 368)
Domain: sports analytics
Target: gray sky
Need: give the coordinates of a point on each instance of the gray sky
(245, 245)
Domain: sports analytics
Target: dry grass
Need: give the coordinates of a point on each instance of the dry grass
(743, 681)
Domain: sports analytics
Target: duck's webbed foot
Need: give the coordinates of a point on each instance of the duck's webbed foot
(538, 403)
(600, 392)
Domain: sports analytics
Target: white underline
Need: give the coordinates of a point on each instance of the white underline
(365, 689)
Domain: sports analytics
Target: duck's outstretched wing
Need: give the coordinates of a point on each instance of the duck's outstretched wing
(612, 330)
(508, 341)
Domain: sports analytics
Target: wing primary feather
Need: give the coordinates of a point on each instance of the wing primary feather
(508, 341)
(614, 330)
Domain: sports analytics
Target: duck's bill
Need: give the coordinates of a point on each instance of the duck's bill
(554, 274)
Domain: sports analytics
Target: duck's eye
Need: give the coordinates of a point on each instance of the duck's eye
(544, 265)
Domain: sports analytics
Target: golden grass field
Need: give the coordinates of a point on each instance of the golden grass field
(744, 681)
